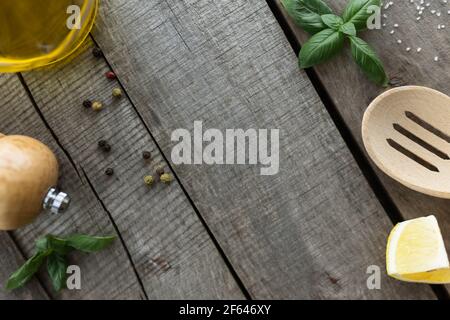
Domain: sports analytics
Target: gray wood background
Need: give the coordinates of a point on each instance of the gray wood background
(218, 231)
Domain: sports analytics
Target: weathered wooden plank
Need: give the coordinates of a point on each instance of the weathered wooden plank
(172, 251)
(107, 274)
(404, 68)
(308, 232)
(10, 261)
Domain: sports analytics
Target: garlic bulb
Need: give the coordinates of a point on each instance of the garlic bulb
(28, 174)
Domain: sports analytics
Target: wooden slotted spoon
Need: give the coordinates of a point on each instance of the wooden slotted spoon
(406, 132)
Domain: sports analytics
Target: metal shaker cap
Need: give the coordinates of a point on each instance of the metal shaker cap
(56, 201)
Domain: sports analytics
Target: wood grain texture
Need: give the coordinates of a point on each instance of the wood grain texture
(310, 231)
(107, 274)
(404, 68)
(170, 248)
(10, 261)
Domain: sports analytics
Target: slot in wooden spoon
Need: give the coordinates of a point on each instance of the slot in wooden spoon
(406, 132)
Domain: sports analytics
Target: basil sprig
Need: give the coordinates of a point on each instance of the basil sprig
(329, 32)
(55, 250)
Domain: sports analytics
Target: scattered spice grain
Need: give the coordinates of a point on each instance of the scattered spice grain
(146, 155)
(149, 180)
(166, 178)
(117, 93)
(87, 104)
(97, 52)
(111, 75)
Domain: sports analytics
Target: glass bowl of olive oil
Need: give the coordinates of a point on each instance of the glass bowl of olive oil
(35, 33)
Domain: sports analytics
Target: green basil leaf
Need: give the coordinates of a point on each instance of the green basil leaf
(320, 47)
(307, 13)
(332, 21)
(26, 271)
(57, 267)
(89, 244)
(368, 60)
(348, 28)
(356, 12)
(54, 243)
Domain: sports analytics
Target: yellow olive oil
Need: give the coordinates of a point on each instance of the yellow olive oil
(35, 33)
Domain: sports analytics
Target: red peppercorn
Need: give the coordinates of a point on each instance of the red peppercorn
(111, 75)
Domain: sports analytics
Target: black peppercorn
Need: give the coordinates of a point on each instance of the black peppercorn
(109, 171)
(146, 155)
(97, 52)
(102, 143)
(87, 104)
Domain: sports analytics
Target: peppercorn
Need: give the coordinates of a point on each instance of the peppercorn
(149, 180)
(117, 93)
(146, 155)
(104, 146)
(109, 171)
(160, 170)
(110, 75)
(97, 106)
(166, 178)
(102, 143)
(87, 103)
(97, 52)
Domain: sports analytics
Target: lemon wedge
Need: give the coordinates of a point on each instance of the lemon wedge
(416, 252)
